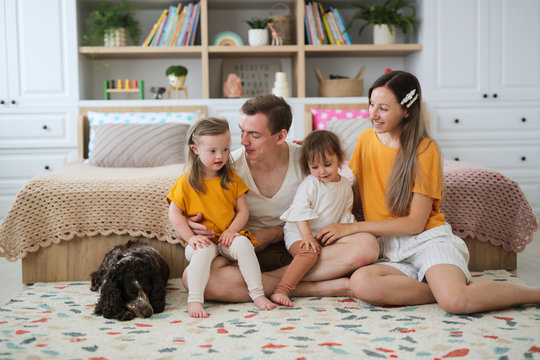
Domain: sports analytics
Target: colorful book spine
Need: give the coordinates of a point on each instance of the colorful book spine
(334, 28)
(306, 23)
(167, 26)
(341, 26)
(190, 15)
(172, 36)
(183, 29)
(155, 40)
(327, 29)
(318, 24)
(152, 33)
(194, 25)
(312, 30)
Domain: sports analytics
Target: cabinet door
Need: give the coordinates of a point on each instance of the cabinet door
(42, 56)
(515, 49)
(3, 58)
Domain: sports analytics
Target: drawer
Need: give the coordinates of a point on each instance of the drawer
(526, 157)
(23, 166)
(492, 123)
(532, 193)
(43, 129)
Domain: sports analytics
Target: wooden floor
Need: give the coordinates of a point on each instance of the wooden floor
(528, 270)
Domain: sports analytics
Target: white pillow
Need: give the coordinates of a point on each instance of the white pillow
(348, 131)
(98, 118)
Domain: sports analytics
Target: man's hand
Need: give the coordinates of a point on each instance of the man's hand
(199, 229)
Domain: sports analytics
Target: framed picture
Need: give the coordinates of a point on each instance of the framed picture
(257, 75)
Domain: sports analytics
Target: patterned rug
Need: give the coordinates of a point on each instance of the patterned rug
(56, 321)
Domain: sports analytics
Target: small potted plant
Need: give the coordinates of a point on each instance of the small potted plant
(176, 74)
(386, 17)
(258, 34)
(109, 23)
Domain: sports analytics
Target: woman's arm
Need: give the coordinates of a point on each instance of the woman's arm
(413, 223)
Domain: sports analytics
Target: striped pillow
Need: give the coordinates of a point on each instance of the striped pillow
(348, 131)
(132, 145)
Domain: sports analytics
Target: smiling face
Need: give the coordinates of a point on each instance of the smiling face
(386, 113)
(325, 170)
(257, 139)
(213, 152)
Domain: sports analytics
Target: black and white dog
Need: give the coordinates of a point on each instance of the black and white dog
(132, 280)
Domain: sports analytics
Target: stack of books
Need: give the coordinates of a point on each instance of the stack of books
(177, 26)
(324, 27)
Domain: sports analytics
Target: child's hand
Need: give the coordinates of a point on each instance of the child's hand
(199, 241)
(311, 243)
(226, 239)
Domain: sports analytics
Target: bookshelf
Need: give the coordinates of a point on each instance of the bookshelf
(207, 56)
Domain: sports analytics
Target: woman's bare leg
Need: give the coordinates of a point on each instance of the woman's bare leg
(449, 286)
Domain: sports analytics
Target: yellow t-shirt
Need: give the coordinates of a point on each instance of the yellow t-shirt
(217, 204)
(372, 162)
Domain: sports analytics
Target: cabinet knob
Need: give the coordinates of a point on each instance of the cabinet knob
(12, 102)
(47, 167)
(456, 121)
(44, 127)
(2, 102)
(485, 96)
(523, 158)
(456, 158)
(495, 95)
(523, 119)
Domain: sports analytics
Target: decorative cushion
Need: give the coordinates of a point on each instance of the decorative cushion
(132, 145)
(98, 118)
(348, 132)
(322, 116)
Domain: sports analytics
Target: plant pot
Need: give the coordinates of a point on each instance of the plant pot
(115, 37)
(382, 35)
(176, 82)
(257, 37)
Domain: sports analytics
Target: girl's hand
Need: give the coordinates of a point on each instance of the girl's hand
(331, 233)
(199, 241)
(311, 243)
(226, 239)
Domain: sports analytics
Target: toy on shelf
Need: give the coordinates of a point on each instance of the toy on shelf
(123, 86)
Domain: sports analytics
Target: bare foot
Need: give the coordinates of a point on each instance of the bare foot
(334, 287)
(281, 299)
(263, 303)
(196, 310)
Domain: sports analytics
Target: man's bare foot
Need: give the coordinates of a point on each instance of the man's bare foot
(334, 287)
(196, 310)
(263, 303)
(281, 299)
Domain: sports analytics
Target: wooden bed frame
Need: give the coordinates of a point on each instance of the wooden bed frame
(483, 255)
(75, 259)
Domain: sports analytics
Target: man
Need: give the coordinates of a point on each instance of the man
(270, 167)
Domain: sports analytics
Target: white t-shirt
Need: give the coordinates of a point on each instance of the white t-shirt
(319, 203)
(264, 212)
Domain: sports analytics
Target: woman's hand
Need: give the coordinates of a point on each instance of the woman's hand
(333, 232)
(310, 243)
(199, 229)
(227, 237)
(199, 242)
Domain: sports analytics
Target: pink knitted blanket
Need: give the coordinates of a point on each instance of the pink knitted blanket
(485, 204)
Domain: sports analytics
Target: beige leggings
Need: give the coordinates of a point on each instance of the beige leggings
(241, 250)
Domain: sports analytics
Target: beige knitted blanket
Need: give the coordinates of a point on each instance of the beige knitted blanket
(86, 200)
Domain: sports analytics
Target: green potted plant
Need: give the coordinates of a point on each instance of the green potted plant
(386, 17)
(109, 23)
(258, 34)
(176, 74)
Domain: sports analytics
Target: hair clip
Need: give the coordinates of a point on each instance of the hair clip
(408, 96)
(412, 101)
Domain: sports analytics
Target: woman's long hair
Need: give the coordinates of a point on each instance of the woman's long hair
(206, 127)
(412, 131)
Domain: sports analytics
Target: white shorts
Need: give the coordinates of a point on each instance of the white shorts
(414, 255)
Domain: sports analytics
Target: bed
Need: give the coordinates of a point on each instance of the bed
(61, 224)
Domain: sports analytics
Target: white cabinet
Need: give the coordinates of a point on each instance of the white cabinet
(38, 91)
(481, 50)
(37, 44)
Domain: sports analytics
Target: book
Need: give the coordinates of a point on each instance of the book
(317, 18)
(183, 28)
(341, 26)
(155, 40)
(189, 22)
(327, 29)
(167, 26)
(308, 35)
(177, 27)
(195, 25)
(152, 32)
(311, 22)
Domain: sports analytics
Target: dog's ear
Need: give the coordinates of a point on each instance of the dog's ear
(110, 303)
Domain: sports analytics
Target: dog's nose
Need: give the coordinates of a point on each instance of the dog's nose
(147, 312)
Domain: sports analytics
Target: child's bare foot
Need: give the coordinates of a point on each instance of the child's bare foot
(196, 310)
(281, 299)
(263, 303)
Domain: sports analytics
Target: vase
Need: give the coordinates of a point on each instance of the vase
(382, 35)
(176, 82)
(258, 37)
(115, 37)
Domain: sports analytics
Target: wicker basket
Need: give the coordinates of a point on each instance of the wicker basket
(282, 23)
(341, 87)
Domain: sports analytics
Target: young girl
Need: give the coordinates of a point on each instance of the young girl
(400, 183)
(211, 187)
(322, 198)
